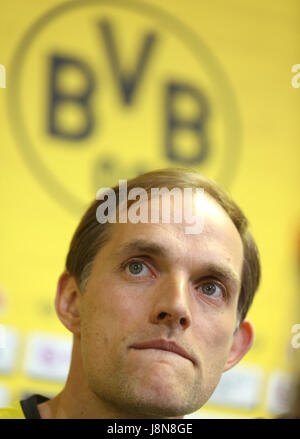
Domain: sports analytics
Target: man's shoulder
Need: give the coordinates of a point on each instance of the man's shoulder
(13, 412)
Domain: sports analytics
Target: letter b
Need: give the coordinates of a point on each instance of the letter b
(195, 124)
(59, 98)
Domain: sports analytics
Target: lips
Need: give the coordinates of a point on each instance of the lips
(164, 345)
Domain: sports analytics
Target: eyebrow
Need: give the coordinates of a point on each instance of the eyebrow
(141, 245)
(144, 246)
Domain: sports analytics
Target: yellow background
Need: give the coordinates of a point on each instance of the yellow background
(253, 45)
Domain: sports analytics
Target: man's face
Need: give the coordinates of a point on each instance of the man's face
(159, 313)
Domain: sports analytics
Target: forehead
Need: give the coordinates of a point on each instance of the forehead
(218, 240)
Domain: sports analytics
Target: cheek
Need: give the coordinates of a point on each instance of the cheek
(214, 337)
(110, 314)
(94, 331)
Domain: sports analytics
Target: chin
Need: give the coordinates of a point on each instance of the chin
(163, 410)
(164, 405)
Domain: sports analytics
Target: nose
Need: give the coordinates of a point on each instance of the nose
(171, 305)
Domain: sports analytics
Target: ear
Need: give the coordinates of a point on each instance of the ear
(67, 302)
(243, 339)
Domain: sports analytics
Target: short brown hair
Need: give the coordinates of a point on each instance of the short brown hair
(90, 235)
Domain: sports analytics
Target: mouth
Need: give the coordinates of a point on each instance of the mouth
(164, 345)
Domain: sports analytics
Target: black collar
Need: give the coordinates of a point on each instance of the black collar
(29, 406)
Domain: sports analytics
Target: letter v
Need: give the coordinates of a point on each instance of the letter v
(127, 83)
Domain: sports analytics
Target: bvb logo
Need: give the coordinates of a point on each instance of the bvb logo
(104, 90)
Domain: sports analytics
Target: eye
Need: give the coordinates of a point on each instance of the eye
(137, 268)
(212, 289)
